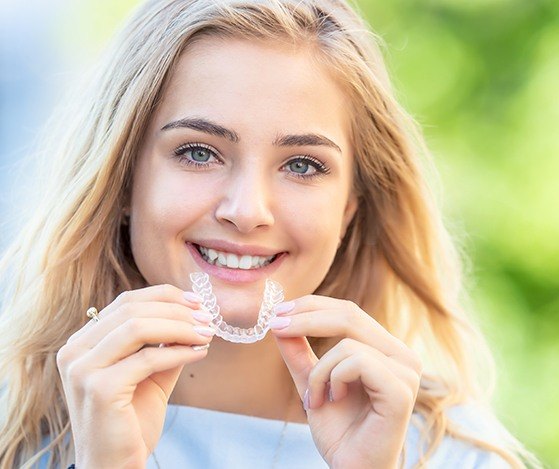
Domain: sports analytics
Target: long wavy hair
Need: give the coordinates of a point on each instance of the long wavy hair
(396, 260)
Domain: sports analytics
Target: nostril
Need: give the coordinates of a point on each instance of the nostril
(244, 218)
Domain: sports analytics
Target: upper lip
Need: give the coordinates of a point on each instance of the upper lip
(239, 249)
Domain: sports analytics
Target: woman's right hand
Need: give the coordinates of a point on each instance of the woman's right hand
(116, 388)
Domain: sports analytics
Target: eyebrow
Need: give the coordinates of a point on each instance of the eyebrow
(290, 140)
(205, 126)
(305, 140)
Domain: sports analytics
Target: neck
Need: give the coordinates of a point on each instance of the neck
(248, 379)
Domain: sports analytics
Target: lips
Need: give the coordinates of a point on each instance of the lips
(234, 263)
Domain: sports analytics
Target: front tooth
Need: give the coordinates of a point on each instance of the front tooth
(232, 261)
(254, 261)
(212, 254)
(222, 259)
(245, 262)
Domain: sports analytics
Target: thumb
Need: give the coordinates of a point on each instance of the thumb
(167, 379)
(299, 358)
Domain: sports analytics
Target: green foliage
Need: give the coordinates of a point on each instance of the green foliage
(481, 77)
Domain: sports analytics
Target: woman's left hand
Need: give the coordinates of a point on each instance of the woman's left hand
(371, 377)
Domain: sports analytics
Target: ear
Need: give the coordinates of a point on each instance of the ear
(125, 216)
(349, 212)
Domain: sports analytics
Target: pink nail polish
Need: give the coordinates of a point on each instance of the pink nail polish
(192, 297)
(284, 308)
(202, 316)
(306, 400)
(205, 331)
(279, 323)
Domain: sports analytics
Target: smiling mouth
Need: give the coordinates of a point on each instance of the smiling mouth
(234, 261)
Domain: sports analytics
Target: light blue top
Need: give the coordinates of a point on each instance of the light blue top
(205, 439)
(196, 438)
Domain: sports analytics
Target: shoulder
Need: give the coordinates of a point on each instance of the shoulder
(470, 420)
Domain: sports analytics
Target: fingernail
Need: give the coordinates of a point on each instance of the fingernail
(198, 348)
(202, 316)
(192, 297)
(284, 308)
(279, 323)
(205, 331)
(330, 395)
(306, 400)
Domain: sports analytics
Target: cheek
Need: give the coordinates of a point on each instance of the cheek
(316, 219)
(165, 202)
(154, 208)
(315, 228)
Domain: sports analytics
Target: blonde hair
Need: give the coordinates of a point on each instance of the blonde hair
(396, 260)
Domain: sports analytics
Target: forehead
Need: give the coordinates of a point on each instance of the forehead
(261, 85)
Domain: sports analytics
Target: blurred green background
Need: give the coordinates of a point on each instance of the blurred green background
(481, 77)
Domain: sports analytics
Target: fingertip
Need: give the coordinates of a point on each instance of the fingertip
(337, 391)
(192, 297)
(279, 323)
(316, 400)
(200, 348)
(284, 308)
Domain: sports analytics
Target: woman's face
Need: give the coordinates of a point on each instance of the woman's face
(245, 173)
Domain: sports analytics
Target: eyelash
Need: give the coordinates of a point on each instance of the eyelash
(320, 168)
(180, 151)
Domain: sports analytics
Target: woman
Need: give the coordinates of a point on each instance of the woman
(247, 140)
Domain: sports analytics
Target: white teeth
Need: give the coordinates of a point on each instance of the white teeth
(233, 261)
(212, 254)
(245, 262)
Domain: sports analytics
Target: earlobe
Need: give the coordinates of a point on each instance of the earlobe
(125, 216)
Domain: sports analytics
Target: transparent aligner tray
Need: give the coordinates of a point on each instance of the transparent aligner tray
(273, 294)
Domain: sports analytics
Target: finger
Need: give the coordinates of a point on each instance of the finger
(135, 333)
(299, 359)
(319, 384)
(159, 293)
(162, 365)
(318, 316)
(128, 311)
(388, 395)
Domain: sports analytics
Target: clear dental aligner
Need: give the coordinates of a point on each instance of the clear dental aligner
(273, 294)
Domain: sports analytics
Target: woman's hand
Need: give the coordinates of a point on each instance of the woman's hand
(360, 395)
(116, 387)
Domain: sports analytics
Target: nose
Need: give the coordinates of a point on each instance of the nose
(245, 201)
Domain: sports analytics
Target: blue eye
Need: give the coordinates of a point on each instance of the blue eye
(306, 167)
(196, 154)
(300, 167)
(200, 154)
